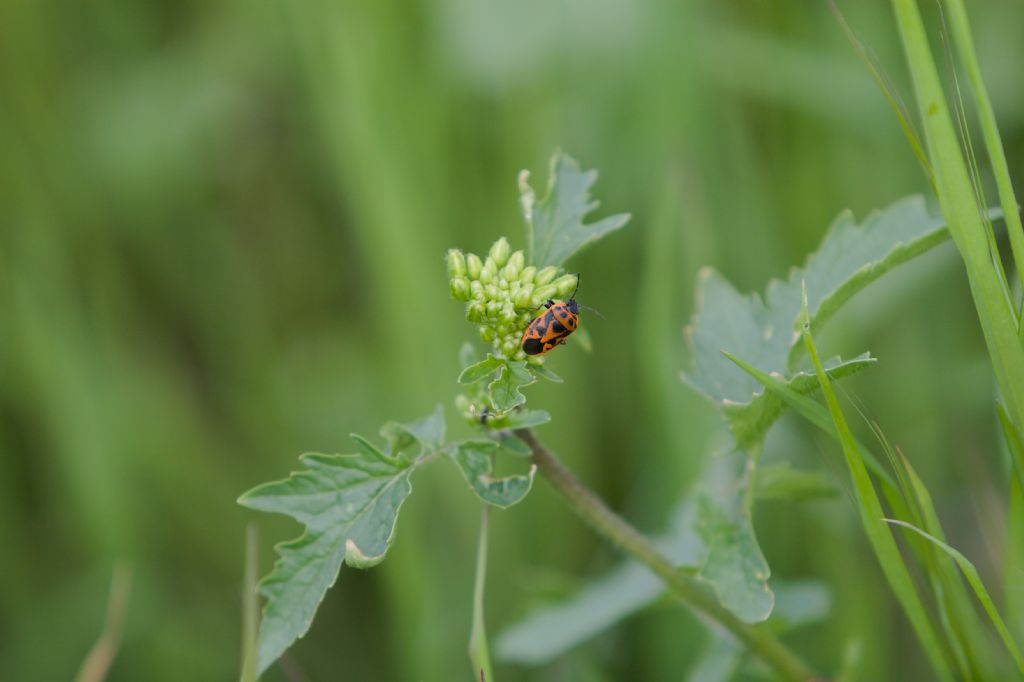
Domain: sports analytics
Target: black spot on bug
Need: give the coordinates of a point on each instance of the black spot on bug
(558, 327)
(533, 347)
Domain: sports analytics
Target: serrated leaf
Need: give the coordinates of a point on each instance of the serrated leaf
(504, 391)
(734, 566)
(474, 459)
(554, 225)
(348, 505)
(780, 481)
(761, 330)
(428, 432)
(481, 370)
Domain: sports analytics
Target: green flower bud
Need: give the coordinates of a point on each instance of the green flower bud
(515, 264)
(546, 275)
(487, 334)
(544, 293)
(508, 313)
(460, 288)
(499, 252)
(503, 284)
(493, 308)
(476, 288)
(509, 346)
(456, 263)
(523, 298)
(565, 285)
(475, 312)
(491, 291)
(473, 266)
(527, 275)
(489, 272)
(462, 404)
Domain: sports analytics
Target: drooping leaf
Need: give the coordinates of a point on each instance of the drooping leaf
(474, 459)
(734, 565)
(554, 225)
(761, 329)
(504, 391)
(348, 505)
(780, 481)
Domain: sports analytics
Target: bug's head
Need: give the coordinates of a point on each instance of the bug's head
(572, 306)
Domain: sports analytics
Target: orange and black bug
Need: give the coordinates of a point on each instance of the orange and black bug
(552, 327)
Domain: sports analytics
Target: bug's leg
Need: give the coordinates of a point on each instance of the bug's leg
(561, 342)
(548, 303)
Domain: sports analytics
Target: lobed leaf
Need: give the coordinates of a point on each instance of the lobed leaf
(554, 225)
(761, 329)
(348, 505)
(474, 459)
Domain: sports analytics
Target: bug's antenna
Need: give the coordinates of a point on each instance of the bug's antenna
(577, 286)
(593, 310)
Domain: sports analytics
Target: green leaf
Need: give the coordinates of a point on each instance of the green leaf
(428, 432)
(971, 573)
(734, 565)
(481, 370)
(504, 391)
(554, 225)
(522, 419)
(749, 422)
(348, 505)
(780, 481)
(545, 373)
(761, 330)
(474, 458)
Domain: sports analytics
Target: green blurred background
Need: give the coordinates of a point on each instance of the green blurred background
(223, 228)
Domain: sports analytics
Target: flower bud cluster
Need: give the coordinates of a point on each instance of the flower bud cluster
(503, 294)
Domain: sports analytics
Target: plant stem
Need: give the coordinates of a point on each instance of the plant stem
(620, 533)
(479, 655)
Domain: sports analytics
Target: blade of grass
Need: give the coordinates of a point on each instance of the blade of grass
(888, 91)
(959, 204)
(872, 517)
(961, 30)
(971, 573)
(479, 654)
(97, 664)
(250, 604)
(950, 594)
